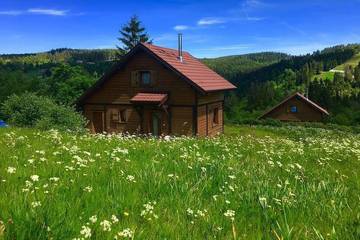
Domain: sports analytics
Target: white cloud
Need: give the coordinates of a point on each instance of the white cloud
(11, 13)
(35, 11)
(180, 27)
(254, 18)
(210, 21)
(43, 11)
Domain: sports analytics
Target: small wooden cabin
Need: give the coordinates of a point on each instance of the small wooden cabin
(159, 91)
(296, 108)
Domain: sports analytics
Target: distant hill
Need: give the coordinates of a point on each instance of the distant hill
(233, 66)
(62, 55)
(263, 79)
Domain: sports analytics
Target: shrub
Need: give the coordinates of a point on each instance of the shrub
(30, 110)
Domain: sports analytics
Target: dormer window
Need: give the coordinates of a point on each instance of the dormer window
(145, 78)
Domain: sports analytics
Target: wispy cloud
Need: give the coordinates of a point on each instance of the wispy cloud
(181, 27)
(10, 13)
(36, 11)
(44, 11)
(254, 18)
(210, 21)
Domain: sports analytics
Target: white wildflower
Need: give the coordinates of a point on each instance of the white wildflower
(93, 219)
(34, 178)
(126, 233)
(263, 202)
(85, 231)
(114, 219)
(11, 170)
(88, 189)
(36, 204)
(106, 225)
(230, 214)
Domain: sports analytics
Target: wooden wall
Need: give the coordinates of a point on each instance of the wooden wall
(205, 112)
(118, 89)
(182, 120)
(189, 112)
(306, 113)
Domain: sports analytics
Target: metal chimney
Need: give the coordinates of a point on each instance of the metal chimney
(180, 47)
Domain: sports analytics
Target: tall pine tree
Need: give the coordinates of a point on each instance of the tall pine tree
(131, 34)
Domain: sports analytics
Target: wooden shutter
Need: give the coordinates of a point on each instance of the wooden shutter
(134, 78)
(153, 78)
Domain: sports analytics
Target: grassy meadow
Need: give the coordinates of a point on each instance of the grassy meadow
(251, 183)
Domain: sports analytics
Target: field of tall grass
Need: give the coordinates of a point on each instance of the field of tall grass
(251, 183)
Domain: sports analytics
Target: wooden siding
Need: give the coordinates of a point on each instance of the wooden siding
(202, 121)
(189, 112)
(132, 124)
(119, 89)
(305, 112)
(215, 129)
(182, 120)
(210, 97)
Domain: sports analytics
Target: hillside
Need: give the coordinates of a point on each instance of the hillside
(353, 62)
(62, 55)
(232, 66)
(270, 183)
(263, 79)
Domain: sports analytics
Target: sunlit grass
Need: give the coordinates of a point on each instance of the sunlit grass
(252, 183)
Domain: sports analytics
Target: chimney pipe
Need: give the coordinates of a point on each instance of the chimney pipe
(180, 47)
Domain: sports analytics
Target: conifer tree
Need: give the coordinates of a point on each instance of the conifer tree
(131, 34)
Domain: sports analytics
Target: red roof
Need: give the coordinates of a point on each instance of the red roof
(191, 68)
(149, 98)
(302, 97)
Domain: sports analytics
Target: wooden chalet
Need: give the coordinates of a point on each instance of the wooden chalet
(296, 108)
(159, 91)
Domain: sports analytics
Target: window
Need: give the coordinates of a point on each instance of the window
(119, 116)
(145, 78)
(122, 115)
(293, 109)
(215, 116)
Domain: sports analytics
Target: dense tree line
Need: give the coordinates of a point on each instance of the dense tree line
(263, 79)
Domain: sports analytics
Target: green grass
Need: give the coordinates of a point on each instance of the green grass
(354, 61)
(281, 183)
(324, 75)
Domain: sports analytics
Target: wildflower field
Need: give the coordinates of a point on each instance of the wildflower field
(251, 183)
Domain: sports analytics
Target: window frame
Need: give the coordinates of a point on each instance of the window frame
(119, 116)
(215, 116)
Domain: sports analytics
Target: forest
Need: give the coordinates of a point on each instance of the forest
(263, 79)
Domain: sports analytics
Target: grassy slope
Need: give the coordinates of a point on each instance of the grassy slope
(282, 183)
(324, 75)
(354, 61)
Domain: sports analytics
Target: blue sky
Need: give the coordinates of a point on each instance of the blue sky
(210, 28)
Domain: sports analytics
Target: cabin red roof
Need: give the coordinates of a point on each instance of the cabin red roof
(191, 68)
(301, 97)
(149, 98)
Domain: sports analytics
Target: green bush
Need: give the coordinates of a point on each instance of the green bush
(30, 110)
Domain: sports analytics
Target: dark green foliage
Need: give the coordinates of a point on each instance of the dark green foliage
(263, 79)
(66, 84)
(131, 34)
(30, 110)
